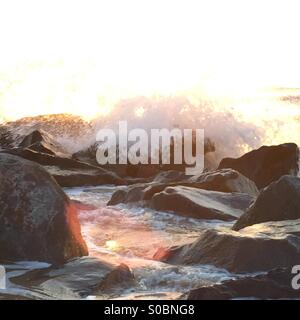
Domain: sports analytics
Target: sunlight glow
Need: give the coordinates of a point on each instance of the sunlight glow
(83, 56)
(112, 245)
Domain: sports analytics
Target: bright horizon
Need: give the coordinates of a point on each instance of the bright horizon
(82, 56)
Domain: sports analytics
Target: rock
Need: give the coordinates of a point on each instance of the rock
(87, 155)
(123, 170)
(30, 141)
(76, 279)
(170, 176)
(266, 164)
(140, 170)
(45, 159)
(43, 142)
(8, 296)
(37, 220)
(69, 172)
(84, 177)
(261, 247)
(201, 204)
(83, 205)
(57, 125)
(119, 276)
(131, 194)
(276, 284)
(279, 201)
(225, 180)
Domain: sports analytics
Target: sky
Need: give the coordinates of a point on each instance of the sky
(83, 55)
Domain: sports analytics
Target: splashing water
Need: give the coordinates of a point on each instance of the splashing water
(235, 125)
(131, 235)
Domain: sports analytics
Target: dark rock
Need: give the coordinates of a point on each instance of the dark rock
(69, 172)
(279, 201)
(142, 171)
(8, 296)
(119, 276)
(276, 284)
(170, 176)
(266, 164)
(37, 219)
(45, 159)
(87, 155)
(258, 248)
(131, 194)
(123, 170)
(76, 279)
(226, 180)
(84, 177)
(201, 204)
(27, 138)
(43, 142)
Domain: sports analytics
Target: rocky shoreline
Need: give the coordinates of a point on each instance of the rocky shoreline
(259, 192)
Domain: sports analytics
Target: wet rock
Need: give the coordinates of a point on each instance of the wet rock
(123, 170)
(276, 284)
(201, 204)
(27, 138)
(76, 279)
(170, 176)
(84, 177)
(43, 142)
(69, 172)
(119, 276)
(45, 159)
(226, 180)
(131, 194)
(279, 201)
(266, 164)
(9, 296)
(258, 248)
(37, 220)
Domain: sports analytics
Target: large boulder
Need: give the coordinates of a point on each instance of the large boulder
(225, 180)
(37, 219)
(279, 201)
(276, 284)
(68, 172)
(201, 204)
(266, 164)
(258, 248)
(76, 279)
